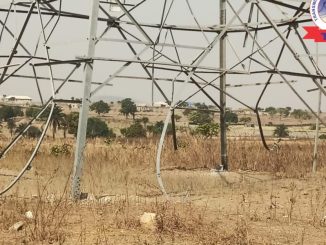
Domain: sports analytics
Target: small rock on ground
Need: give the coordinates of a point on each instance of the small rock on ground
(105, 200)
(17, 226)
(148, 221)
(29, 215)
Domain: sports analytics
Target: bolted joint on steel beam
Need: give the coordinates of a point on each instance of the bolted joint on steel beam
(113, 22)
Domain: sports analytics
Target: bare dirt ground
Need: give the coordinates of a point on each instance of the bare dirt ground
(266, 198)
(213, 208)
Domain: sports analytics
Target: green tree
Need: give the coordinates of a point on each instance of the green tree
(200, 117)
(135, 130)
(201, 106)
(64, 126)
(98, 128)
(11, 125)
(128, 107)
(100, 107)
(7, 112)
(18, 112)
(208, 130)
(231, 117)
(301, 114)
(284, 112)
(157, 128)
(57, 118)
(271, 111)
(281, 131)
(95, 126)
(72, 122)
(145, 120)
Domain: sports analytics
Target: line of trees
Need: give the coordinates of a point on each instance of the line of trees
(69, 123)
(284, 112)
(61, 121)
(200, 115)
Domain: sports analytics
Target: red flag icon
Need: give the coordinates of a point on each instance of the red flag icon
(313, 32)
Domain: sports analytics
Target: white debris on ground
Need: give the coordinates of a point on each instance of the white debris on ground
(105, 200)
(29, 215)
(51, 198)
(148, 221)
(91, 197)
(323, 222)
(17, 226)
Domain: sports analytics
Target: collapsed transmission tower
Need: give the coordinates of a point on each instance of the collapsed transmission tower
(259, 39)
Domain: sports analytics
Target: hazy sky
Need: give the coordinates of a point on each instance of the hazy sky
(69, 41)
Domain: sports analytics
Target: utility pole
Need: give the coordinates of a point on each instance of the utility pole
(315, 157)
(84, 111)
(224, 154)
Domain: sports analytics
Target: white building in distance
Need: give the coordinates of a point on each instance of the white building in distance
(161, 104)
(17, 99)
(143, 107)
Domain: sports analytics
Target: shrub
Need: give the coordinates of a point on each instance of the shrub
(58, 150)
(301, 114)
(109, 140)
(200, 117)
(95, 126)
(322, 137)
(134, 131)
(32, 132)
(182, 144)
(72, 123)
(157, 128)
(281, 131)
(208, 130)
(245, 119)
(98, 128)
(145, 120)
(284, 112)
(7, 112)
(231, 117)
(271, 110)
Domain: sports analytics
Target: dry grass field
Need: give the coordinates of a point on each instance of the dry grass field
(266, 198)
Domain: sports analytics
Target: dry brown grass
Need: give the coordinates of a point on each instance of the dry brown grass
(268, 198)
